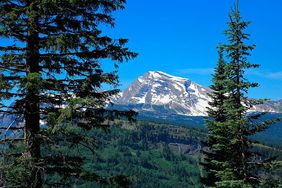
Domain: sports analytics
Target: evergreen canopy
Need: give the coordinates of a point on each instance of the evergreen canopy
(230, 160)
(50, 69)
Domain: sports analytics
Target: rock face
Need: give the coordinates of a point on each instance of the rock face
(158, 90)
(275, 106)
(159, 93)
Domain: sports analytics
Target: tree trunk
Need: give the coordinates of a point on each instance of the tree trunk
(32, 115)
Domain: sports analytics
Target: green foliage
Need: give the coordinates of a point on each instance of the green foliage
(230, 160)
(52, 73)
(215, 154)
(122, 151)
(141, 154)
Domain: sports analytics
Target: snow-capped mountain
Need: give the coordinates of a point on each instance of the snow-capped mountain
(159, 93)
(158, 90)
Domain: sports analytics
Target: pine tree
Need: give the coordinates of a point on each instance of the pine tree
(237, 104)
(230, 160)
(218, 89)
(215, 153)
(52, 72)
(242, 165)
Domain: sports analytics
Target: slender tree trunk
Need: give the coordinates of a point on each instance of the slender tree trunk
(32, 115)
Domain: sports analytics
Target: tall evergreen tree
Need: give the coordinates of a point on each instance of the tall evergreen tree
(237, 172)
(51, 71)
(240, 166)
(230, 160)
(214, 152)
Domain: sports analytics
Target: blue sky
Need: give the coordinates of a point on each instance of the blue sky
(180, 37)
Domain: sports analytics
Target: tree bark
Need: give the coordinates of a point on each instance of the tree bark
(32, 115)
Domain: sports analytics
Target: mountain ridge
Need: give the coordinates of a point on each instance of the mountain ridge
(160, 93)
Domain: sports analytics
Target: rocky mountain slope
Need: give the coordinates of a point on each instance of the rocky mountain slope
(158, 93)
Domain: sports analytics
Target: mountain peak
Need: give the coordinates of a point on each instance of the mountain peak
(156, 89)
(157, 73)
(160, 93)
(160, 74)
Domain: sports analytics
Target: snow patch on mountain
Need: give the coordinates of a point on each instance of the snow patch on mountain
(159, 93)
(156, 88)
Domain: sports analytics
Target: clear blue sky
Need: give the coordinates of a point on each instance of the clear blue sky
(180, 37)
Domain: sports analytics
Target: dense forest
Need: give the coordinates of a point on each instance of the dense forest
(148, 154)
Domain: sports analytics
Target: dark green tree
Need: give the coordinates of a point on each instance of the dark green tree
(51, 70)
(237, 169)
(214, 149)
(242, 165)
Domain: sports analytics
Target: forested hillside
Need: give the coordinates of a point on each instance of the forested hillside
(151, 154)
